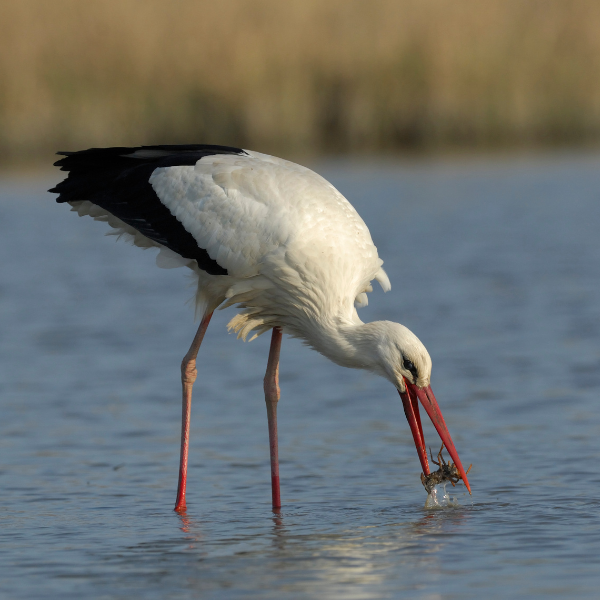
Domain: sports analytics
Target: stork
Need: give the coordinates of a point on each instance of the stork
(270, 237)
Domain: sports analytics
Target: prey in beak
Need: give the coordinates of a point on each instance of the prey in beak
(411, 396)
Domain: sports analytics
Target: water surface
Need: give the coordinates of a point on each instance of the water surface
(495, 265)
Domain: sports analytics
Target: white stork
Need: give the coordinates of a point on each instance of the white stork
(271, 237)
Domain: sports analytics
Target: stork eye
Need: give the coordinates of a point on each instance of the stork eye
(409, 366)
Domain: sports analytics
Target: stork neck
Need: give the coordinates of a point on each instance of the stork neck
(351, 345)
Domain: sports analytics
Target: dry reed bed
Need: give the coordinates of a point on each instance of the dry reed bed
(297, 75)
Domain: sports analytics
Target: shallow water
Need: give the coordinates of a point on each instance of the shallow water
(494, 263)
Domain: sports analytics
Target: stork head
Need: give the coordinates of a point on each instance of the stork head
(402, 356)
(404, 361)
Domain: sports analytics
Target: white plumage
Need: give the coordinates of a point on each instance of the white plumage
(294, 247)
(283, 245)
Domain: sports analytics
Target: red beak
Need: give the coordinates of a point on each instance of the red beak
(411, 410)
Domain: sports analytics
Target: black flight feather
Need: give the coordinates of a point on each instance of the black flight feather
(117, 180)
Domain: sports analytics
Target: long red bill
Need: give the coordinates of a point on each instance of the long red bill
(411, 410)
(427, 399)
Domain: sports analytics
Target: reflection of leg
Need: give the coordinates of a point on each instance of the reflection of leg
(271, 398)
(188, 376)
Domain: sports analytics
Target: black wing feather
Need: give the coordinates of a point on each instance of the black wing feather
(119, 183)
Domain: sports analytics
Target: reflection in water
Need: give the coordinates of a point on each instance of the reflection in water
(190, 528)
(357, 560)
(361, 557)
(279, 530)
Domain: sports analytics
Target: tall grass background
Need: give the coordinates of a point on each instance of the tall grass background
(298, 76)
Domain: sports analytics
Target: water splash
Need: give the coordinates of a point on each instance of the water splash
(440, 498)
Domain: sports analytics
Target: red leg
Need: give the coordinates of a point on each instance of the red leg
(188, 376)
(271, 398)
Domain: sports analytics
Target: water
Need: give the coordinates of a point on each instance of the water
(495, 264)
(440, 498)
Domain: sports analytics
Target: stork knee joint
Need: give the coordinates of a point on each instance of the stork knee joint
(188, 371)
(272, 391)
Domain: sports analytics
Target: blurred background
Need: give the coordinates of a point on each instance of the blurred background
(300, 76)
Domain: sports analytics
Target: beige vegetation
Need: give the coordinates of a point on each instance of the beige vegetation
(297, 75)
